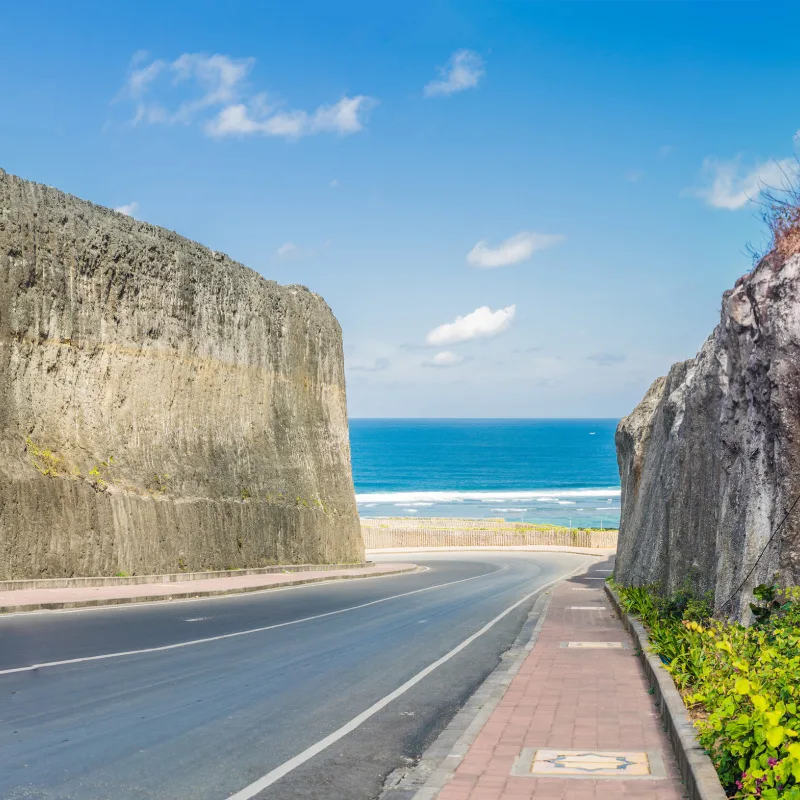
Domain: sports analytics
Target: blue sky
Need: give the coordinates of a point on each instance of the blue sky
(577, 172)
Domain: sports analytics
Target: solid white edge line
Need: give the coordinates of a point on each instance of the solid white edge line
(284, 769)
(247, 632)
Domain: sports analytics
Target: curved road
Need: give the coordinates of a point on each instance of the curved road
(320, 693)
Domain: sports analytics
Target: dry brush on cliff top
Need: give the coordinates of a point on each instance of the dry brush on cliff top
(161, 406)
(781, 214)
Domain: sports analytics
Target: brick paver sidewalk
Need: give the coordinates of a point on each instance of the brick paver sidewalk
(586, 700)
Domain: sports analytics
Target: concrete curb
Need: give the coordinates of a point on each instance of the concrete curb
(697, 771)
(174, 577)
(116, 601)
(429, 776)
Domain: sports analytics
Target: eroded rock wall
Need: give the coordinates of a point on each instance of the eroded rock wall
(161, 406)
(710, 459)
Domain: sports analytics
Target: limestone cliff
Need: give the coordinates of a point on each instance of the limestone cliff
(161, 406)
(710, 459)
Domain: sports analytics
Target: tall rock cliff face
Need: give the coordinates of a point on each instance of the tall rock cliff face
(710, 459)
(161, 406)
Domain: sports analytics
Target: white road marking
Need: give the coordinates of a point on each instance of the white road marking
(284, 769)
(207, 598)
(248, 632)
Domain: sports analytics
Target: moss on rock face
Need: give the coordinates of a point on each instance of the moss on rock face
(210, 385)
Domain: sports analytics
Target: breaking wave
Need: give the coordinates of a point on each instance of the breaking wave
(559, 496)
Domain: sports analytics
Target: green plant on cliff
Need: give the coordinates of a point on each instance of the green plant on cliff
(244, 493)
(45, 461)
(741, 683)
(99, 474)
(158, 483)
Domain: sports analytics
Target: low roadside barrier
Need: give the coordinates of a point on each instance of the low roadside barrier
(388, 532)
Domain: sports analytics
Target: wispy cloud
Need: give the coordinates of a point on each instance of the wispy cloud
(447, 358)
(129, 209)
(731, 186)
(606, 359)
(634, 175)
(290, 251)
(287, 251)
(519, 247)
(375, 365)
(463, 71)
(213, 92)
(345, 117)
(665, 150)
(481, 323)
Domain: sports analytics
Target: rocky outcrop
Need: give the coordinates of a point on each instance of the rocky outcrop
(710, 459)
(161, 406)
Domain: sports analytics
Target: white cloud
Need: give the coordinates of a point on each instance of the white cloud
(665, 150)
(334, 184)
(513, 250)
(129, 209)
(140, 79)
(730, 186)
(213, 91)
(481, 323)
(193, 82)
(463, 71)
(288, 250)
(634, 175)
(368, 365)
(345, 117)
(447, 358)
(606, 359)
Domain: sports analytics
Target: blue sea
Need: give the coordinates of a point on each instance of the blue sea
(562, 472)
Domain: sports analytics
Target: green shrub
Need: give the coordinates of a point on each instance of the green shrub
(745, 681)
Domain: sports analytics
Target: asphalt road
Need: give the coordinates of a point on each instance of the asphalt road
(207, 720)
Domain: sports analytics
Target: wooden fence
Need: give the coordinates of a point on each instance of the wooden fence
(386, 532)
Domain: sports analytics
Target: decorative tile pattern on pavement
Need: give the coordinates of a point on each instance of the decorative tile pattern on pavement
(589, 762)
(594, 764)
(595, 645)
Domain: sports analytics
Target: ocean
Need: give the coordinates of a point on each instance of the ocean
(556, 471)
